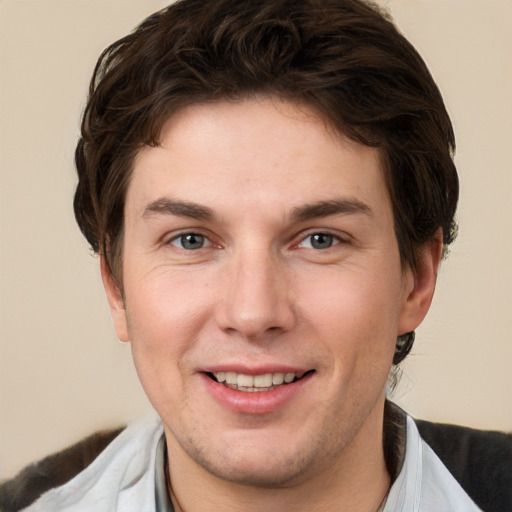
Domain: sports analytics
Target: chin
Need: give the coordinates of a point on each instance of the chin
(257, 462)
(277, 475)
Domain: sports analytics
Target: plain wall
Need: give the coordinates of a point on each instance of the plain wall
(62, 372)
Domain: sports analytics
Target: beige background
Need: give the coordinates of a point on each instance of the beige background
(62, 372)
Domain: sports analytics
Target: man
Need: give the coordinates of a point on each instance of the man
(270, 188)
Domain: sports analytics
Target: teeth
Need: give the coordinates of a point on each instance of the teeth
(288, 377)
(245, 381)
(262, 381)
(257, 381)
(277, 378)
(231, 377)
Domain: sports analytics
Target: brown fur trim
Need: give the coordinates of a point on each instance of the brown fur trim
(52, 471)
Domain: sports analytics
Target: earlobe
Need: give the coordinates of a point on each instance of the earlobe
(115, 301)
(420, 284)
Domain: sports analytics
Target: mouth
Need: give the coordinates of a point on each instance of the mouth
(256, 383)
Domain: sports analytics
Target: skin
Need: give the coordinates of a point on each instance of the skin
(257, 291)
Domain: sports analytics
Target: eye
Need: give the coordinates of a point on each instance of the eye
(319, 241)
(190, 241)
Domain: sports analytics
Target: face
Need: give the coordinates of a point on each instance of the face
(263, 292)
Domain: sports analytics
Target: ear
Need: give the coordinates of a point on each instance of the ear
(115, 301)
(420, 284)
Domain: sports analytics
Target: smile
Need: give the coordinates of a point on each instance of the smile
(262, 392)
(255, 383)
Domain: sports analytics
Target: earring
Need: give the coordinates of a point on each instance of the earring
(404, 344)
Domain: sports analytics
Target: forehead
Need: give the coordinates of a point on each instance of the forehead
(257, 153)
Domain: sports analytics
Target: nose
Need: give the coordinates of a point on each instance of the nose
(256, 302)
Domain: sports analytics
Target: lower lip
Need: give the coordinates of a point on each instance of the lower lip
(258, 402)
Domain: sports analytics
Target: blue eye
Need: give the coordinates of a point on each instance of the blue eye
(319, 241)
(190, 241)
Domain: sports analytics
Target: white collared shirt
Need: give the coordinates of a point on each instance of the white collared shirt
(424, 484)
(122, 479)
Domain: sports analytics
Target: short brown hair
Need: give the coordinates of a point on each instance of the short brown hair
(344, 58)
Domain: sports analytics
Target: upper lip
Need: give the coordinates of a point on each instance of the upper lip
(255, 369)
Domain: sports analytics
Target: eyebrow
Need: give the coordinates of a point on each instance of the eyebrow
(179, 208)
(330, 207)
(299, 214)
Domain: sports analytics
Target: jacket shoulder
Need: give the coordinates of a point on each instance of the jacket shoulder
(53, 471)
(481, 461)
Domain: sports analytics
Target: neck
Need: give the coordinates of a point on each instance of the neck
(356, 480)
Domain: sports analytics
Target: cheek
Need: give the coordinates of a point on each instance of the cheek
(160, 338)
(355, 313)
(162, 304)
(164, 315)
